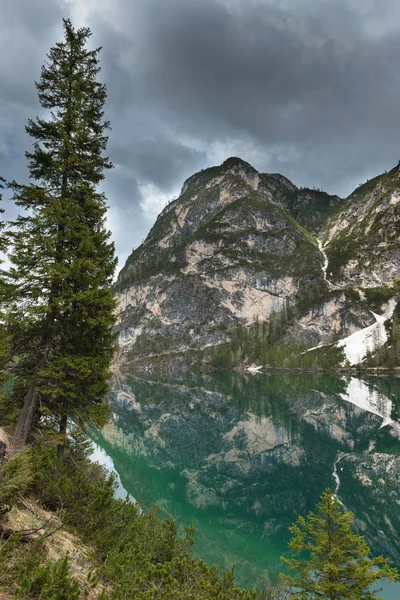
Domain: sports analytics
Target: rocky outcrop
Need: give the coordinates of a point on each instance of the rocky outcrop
(3, 445)
(239, 246)
(362, 239)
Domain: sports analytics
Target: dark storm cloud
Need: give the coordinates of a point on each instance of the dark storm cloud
(27, 29)
(308, 88)
(313, 86)
(151, 161)
(158, 159)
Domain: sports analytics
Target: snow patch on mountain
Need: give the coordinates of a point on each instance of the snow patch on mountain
(357, 345)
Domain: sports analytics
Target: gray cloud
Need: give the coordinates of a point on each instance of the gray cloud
(308, 88)
(157, 159)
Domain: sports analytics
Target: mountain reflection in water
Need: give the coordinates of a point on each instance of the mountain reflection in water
(241, 456)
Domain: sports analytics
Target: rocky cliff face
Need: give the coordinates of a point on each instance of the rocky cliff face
(238, 246)
(362, 238)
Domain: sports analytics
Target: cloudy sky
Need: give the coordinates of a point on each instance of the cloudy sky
(306, 88)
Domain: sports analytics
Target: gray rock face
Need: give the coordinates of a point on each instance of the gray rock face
(238, 245)
(362, 240)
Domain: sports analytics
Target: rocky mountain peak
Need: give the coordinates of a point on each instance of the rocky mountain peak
(234, 166)
(271, 184)
(237, 166)
(239, 246)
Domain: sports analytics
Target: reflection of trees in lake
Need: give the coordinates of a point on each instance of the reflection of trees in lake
(241, 456)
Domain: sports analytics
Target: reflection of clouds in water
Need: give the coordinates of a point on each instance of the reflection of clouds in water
(100, 456)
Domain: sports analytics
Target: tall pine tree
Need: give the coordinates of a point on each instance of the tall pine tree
(3, 293)
(61, 319)
(2, 182)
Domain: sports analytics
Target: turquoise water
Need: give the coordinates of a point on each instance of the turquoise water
(241, 456)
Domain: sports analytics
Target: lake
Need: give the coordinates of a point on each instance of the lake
(241, 456)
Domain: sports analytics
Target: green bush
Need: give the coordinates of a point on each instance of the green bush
(141, 556)
(379, 295)
(351, 295)
(49, 581)
(15, 478)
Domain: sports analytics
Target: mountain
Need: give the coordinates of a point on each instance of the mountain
(248, 255)
(362, 239)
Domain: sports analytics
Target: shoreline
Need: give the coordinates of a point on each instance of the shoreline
(395, 371)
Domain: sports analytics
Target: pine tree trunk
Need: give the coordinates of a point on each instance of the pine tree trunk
(30, 408)
(27, 415)
(62, 431)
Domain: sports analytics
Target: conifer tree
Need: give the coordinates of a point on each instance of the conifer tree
(3, 292)
(331, 561)
(2, 182)
(61, 316)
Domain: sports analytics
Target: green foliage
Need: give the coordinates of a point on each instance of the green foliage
(138, 551)
(340, 250)
(60, 315)
(311, 293)
(16, 561)
(355, 240)
(180, 578)
(63, 482)
(312, 207)
(162, 261)
(222, 359)
(15, 478)
(8, 408)
(149, 555)
(325, 357)
(379, 295)
(263, 343)
(352, 295)
(256, 343)
(25, 570)
(49, 581)
(371, 184)
(330, 561)
(5, 409)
